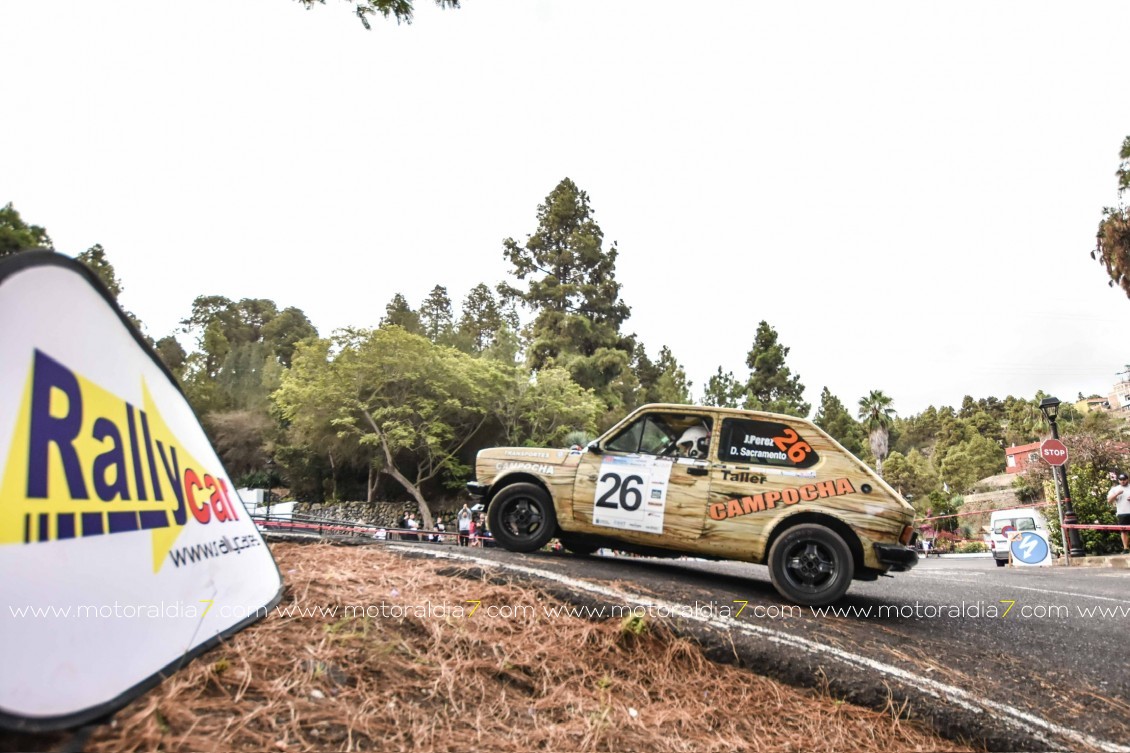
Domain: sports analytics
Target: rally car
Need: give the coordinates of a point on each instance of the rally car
(718, 483)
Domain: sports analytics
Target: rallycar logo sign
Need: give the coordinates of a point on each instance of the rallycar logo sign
(112, 500)
(88, 463)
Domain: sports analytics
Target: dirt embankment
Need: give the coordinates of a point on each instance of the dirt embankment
(370, 650)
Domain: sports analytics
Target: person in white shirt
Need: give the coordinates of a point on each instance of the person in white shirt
(1119, 496)
(464, 520)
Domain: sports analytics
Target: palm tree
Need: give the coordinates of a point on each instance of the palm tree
(876, 411)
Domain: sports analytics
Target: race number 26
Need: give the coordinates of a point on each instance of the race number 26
(792, 446)
(625, 489)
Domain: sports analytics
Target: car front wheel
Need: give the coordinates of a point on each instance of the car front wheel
(811, 565)
(521, 518)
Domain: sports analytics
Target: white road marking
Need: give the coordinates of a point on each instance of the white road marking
(1004, 587)
(976, 704)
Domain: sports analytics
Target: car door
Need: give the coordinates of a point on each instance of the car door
(763, 464)
(638, 487)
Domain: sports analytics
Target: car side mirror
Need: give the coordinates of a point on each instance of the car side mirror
(594, 448)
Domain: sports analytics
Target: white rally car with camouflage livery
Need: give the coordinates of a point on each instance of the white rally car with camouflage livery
(718, 483)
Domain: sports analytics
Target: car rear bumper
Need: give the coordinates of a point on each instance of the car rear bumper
(896, 556)
(477, 490)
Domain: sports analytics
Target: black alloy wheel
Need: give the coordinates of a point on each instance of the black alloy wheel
(521, 518)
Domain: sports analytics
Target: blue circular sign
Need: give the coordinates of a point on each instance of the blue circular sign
(1031, 548)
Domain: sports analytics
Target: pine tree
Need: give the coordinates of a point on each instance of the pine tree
(833, 417)
(572, 287)
(435, 316)
(771, 385)
(399, 314)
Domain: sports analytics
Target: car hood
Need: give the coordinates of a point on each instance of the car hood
(541, 461)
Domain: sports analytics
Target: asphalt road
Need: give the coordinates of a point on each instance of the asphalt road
(1010, 659)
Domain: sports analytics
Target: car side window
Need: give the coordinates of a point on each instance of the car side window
(664, 434)
(747, 440)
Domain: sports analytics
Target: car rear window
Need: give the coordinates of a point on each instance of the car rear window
(765, 443)
(1020, 524)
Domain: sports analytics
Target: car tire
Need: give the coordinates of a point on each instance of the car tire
(577, 544)
(1000, 563)
(811, 565)
(521, 518)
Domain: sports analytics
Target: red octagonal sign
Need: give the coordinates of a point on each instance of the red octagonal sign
(1053, 451)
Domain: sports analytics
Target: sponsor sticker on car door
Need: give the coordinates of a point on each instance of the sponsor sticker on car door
(631, 493)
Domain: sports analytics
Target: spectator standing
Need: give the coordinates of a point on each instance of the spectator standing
(929, 533)
(413, 526)
(1119, 496)
(464, 520)
(438, 536)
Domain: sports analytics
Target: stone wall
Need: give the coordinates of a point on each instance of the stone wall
(379, 513)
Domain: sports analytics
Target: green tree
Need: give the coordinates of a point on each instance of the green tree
(238, 347)
(399, 314)
(243, 440)
(833, 417)
(916, 432)
(672, 385)
(877, 413)
(283, 333)
(545, 409)
(401, 10)
(912, 475)
(16, 235)
(723, 390)
(1112, 241)
(647, 374)
(316, 454)
(771, 385)
(436, 317)
(172, 354)
(572, 287)
(240, 323)
(968, 462)
(414, 404)
(95, 258)
(664, 381)
(488, 325)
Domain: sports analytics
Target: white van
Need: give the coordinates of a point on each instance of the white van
(1015, 518)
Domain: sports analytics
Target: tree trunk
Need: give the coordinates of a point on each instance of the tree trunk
(371, 485)
(425, 513)
(392, 470)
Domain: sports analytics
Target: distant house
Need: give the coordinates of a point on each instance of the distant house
(1089, 404)
(1119, 399)
(1017, 458)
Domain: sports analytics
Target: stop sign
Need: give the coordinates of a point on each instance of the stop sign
(1053, 451)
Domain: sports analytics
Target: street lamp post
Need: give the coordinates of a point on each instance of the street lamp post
(1049, 406)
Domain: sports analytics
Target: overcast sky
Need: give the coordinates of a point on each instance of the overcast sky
(906, 192)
